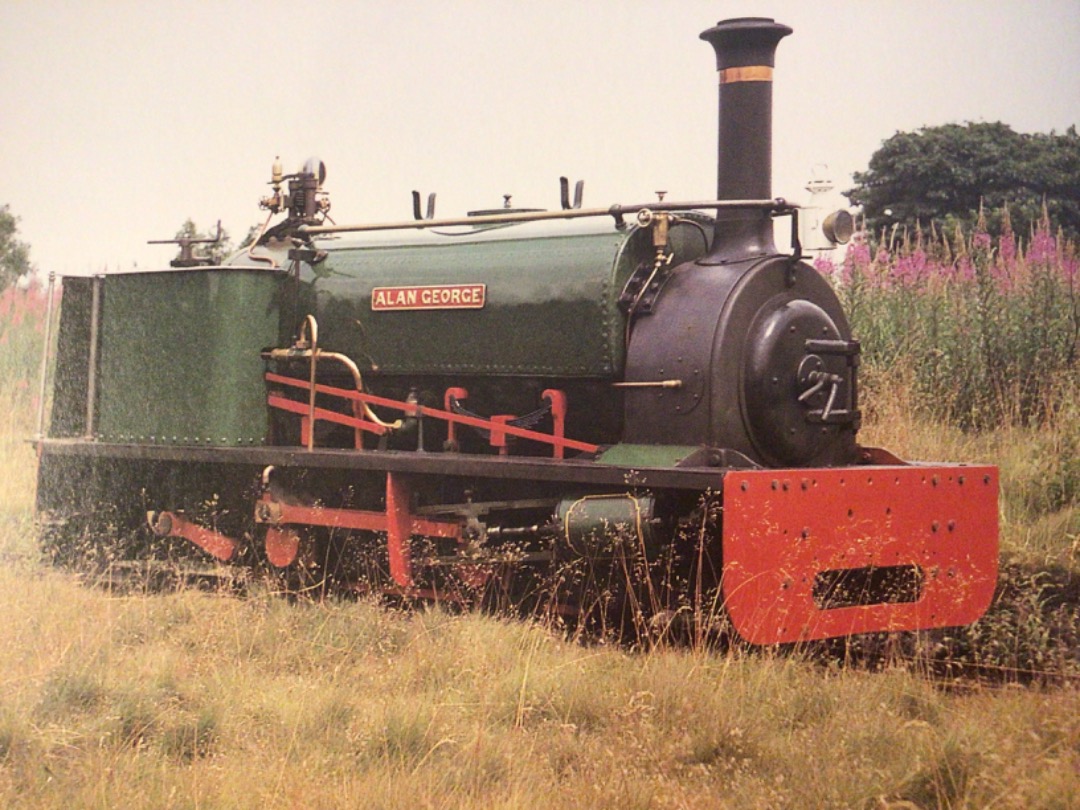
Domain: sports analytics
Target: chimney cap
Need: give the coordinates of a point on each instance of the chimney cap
(745, 41)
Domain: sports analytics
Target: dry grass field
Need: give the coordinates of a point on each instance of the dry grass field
(195, 699)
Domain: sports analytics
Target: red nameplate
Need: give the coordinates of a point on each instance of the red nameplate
(435, 296)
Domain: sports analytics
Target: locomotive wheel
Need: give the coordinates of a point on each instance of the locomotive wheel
(303, 562)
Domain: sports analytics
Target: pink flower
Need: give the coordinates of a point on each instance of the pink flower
(856, 260)
(1043, 248)
(825, 266)
(911, 269)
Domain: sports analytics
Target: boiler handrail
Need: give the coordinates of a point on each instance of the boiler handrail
(776, 206)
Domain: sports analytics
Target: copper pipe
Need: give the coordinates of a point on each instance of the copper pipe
(652, 384)
(307, 345)
(255, 243)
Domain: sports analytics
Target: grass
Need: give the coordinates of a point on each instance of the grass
(194, 699)
(1040, 471)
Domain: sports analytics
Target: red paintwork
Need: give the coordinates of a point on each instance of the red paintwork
(301, 408)
(214, 543)
(783, 527)
(448, 399)
(557, 399)
(399, 530)
(498, 433)
(282, 546)
(558, 442)
(397, 521)
(428, 297)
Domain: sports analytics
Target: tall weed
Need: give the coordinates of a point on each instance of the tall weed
(984, 332)
(22, 337)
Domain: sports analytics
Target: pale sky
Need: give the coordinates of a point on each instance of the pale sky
(119, 120)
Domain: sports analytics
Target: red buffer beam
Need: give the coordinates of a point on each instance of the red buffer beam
(820, 553)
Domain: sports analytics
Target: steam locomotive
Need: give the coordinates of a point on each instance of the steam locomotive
(642, 408)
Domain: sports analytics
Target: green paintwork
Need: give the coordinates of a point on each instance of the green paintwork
(594, 525)
(180, 361)
(68, 415)
(646, 455)
(551, 299)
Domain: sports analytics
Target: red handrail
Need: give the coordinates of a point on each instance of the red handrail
(411, 409)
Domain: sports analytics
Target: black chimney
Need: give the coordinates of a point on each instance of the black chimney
(745, 55)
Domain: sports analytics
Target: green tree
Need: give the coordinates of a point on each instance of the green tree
(14, 255)
(215, 252)
(945, 173)
(252, 233)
